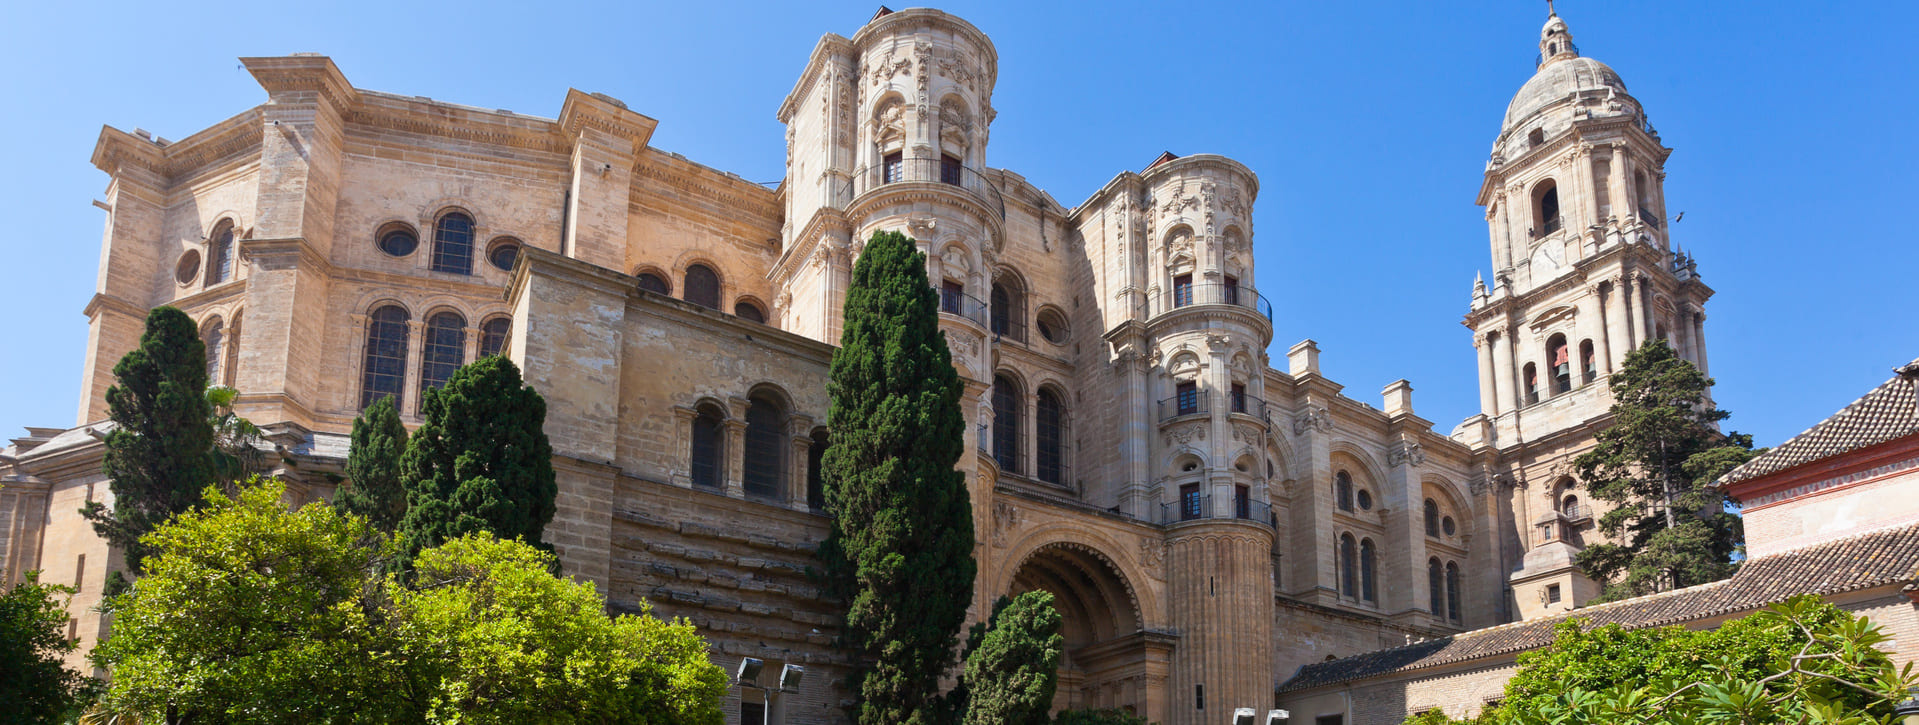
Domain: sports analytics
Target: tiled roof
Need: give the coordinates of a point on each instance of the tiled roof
(1890, 411)
(1862, 561)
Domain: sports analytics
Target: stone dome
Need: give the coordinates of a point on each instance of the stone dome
(1557, 80)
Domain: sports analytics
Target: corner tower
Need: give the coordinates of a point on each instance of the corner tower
(1584, 271)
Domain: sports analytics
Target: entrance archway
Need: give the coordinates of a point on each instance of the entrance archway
(1108, 653)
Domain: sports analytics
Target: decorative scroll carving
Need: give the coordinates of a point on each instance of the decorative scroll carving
(1152, 554)
(1315, 417)
(1406, 451)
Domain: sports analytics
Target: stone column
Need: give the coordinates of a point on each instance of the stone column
(411, 393)
(1591, 327)
(1623, 318)
(1617, 189)
(1221, 595)
(735, 453)
(1608, 326)
(1699, 341)
(1651, 328)
(1504, 369)
(1488, 389)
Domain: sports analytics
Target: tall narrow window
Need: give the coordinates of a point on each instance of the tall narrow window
(1588, 361)
(1368, 571)
(445, 349)
(1002, 313)
(1242, 502)
(1191, 504)
(383, 368)
(1532, 383)
(1182, 290)
(702, 286)
(654, 283)
(1435, 588)
(1549, 220)
(493, 335)
(708, 446)
(1570, 506)
(213, 337)
(1432, 518)
(1049, 416)
(79, 573)
(1452, 591)
(949, 170)
(950, 295)
(1343, 490)
(220, 255)
(230, 368)
(764, 443)
(815, 484)
(1187, 394)
(1006, 400)
(1238, 394)
(1230, 290)
(1348, 566)
(453, 244)
(1562, 363)
(893, 168)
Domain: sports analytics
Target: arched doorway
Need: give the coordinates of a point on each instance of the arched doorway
(1108, 653)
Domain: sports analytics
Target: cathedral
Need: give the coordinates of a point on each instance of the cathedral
(1210, 520)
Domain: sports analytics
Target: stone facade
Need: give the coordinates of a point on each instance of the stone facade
(1208, 521)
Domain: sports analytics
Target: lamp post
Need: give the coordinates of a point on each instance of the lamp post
(1908, 711)
(1244, 716)
(748, 675)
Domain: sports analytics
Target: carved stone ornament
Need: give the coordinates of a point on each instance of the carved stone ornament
(1406, 451)
(1217, 342)
(923, 52)
(1248, 434)
(922, 226)
(1152, 554)
(1184, 434)
(1316, 418)
(1006, 519)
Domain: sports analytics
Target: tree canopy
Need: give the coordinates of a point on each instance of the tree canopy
(1656, 463)
(1012, 664)
(34, 681)
(159, 454)
(900, 551)
(373, 489)
(480, 460)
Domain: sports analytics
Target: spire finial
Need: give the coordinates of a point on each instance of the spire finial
(1549, 9)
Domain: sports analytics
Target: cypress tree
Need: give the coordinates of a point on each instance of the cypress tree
(159, 456)
(374, 490)
(1657, 463)
(901, 548)
(1012, 664)
(480, 460)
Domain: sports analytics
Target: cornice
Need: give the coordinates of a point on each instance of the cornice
(927, 191)
(308, 73)
(800, 249)
(445, 120)
(1184, 163)
(598, 112)
(103, 302)
(1212, 313)
(830, 44)
(116, 148)
(704, 181)
(296, 249)
(928, 17)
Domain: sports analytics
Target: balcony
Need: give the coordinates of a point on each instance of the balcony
(959, 304)
(1651, 219)
(1553, 224)
(1200, 506)
(1210, 293)
(1185, 404)
(1244, 404)
(923, 171)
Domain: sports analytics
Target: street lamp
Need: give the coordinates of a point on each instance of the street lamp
(1275, 717)
(1244, 716)
(1908, 711)
(748, 675)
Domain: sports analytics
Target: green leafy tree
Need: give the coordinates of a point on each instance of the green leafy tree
(236, 453)
(1656, 463)
(1112, 716)
(374, 491)
(159, 454)
(480, 460)
(34, 681)
(251, 613)
(1012, 666)
(513, 643)
(901, 548)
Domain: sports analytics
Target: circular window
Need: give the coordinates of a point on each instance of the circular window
(1365, 500)
(189, 267)
(1052, 326)
(398, 240)
(503, 254)
(1449, 526)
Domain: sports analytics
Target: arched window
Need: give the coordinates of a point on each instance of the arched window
(1547, 209)
(383, 367)
(453, 244)
(654, 283)
(1009, 309)
(1452, 591)
(220, 255)
(230, 367)
(445, 349)
(212, 336)
(1368, 568)
(708, 446)
(1432, 518)
(493, 335)
(1348, 566)
(1588, 362)
(1050, 416)
(702, 286)
(1560, 358)
(1343, 490)
(764, 441)
(1435, 588)
(1532, 383)
(748, 311)
(1006, 424)
(1569, 505)
(815, 484)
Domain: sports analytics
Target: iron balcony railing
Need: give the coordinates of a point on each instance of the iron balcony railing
(1008, 327)
(1651, 219)
(1195, 507)
(1191, 403)
(1552, 225)
(954, 302)
(928, 171)
(1576, 512)
(1209, 293)
(1245, 404)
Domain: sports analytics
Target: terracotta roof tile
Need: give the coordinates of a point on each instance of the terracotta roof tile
(1863, 561)
(1890, 411)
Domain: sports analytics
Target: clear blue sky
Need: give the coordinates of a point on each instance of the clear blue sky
(1368, 123)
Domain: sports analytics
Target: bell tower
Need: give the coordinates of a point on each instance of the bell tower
(1584, 271)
